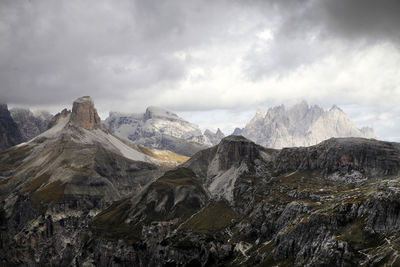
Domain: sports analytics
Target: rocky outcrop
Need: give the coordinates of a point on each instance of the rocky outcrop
(84, 114)
(237, 131)
(31, 124)
(234, 149)
(10, 134)
(349, 159)
(58, 117)
(214, 138)
(301, 125)
(158, 128)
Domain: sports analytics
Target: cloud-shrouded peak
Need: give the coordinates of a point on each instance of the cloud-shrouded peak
(154, 112)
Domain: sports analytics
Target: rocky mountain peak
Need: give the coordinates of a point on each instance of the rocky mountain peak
(214, 138)
(84, 114)
(10, 134)
(234, 149)
(30, 123)
(301, 125)
(237, 131)
(158, 128)
(335, 108)
(59, 116)
(157, 112)
(260, 113)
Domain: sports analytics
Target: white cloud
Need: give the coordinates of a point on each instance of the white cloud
(227, 57)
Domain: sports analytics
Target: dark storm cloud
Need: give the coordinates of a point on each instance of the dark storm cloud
(349, 19)
(54, 51)
(308, 30)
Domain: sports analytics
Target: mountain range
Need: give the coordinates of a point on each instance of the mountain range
(300, 125)
(30, 124)
(77, 195)
(159, 128)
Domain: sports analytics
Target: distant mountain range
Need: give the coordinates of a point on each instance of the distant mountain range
(300, 125)
(30, 124)
(278, 127)
(159, 128)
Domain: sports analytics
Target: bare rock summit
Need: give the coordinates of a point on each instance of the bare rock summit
(84, 114)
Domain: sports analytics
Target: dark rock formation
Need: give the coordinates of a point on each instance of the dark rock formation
(234, 149)
(30, 124)
(10, 135)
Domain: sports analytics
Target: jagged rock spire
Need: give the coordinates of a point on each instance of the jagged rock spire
(84, 114)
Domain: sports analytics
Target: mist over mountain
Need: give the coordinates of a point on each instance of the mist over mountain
(30, 124)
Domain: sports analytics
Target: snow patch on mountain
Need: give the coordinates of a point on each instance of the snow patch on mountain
(158, 128)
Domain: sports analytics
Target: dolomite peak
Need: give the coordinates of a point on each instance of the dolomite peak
(84, 114)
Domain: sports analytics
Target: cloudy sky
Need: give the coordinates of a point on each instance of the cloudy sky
(214, 62)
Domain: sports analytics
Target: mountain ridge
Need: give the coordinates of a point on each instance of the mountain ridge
(301, 125)
(158, 128)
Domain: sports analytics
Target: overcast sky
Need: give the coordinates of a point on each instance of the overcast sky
(214, 62)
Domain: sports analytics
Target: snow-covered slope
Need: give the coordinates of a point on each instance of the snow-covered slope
(301, 125)
(158, 128)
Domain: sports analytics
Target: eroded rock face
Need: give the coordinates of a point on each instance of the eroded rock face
(30, 124)
(59, 116)
(234, 149)
(10, 135)
(84, 114)
(214, 138)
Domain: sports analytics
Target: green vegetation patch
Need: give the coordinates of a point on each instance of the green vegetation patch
(211, 219)
(111, 222)
(355, 235)
(178, 177)
(49, 193)
(36, 183)
(10, 159)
